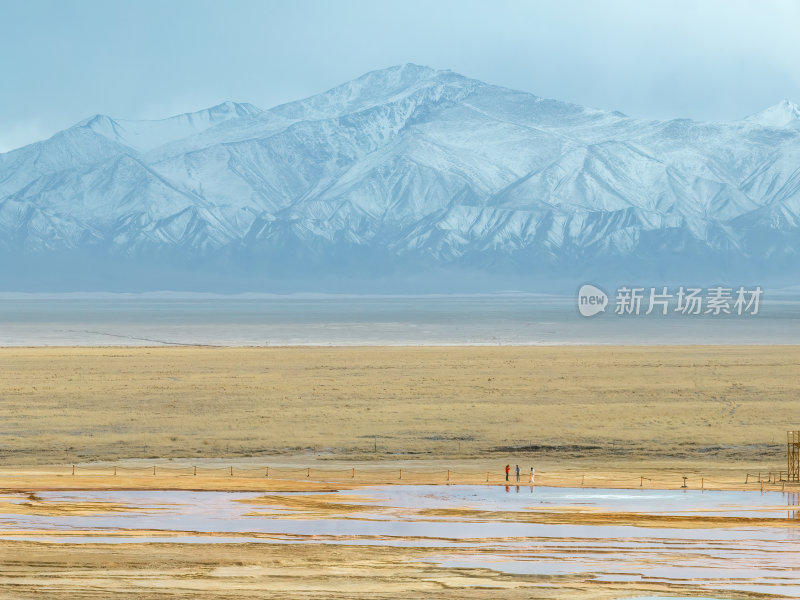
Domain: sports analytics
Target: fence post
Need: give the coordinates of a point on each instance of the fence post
(448, 474)
(73, 469)
(641, 480)
(401, 473)
(746, 477)
(353, 476)
(702, 483)
(231, 471)
(308, 473)
(267, 473)
(195, 470)
(154, 469)
(115, 469)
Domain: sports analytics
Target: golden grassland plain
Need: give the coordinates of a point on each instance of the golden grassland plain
(605, 416)
(616, 404)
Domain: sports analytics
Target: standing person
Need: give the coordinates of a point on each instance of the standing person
(517, 473)
(532, 474)
(508, 469)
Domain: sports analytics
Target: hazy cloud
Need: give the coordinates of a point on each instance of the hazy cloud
(705, 59)
(19, 133)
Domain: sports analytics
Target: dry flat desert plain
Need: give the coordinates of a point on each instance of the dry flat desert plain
(339, 420)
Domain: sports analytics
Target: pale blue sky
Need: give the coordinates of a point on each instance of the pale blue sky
(62, 60)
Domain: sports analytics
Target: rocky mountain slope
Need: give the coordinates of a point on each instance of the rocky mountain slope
(408, 173)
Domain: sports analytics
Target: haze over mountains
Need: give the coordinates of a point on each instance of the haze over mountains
(406, 179)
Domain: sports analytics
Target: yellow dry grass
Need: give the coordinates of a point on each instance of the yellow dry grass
(605, 416)
(66, 405)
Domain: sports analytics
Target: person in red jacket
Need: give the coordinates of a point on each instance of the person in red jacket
(508, 470)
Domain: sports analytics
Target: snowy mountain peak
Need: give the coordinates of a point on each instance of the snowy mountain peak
(404, 170)
(783, 114)
(143, 136)
(391, 79)
(227, 110)
(369, 90)
(97, 120)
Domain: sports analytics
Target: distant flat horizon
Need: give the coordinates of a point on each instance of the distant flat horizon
(468, 320)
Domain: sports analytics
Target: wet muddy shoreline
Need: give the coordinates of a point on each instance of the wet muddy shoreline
(731, 541)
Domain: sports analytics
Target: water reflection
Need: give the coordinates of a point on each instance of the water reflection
(793, 502)
(467, 527)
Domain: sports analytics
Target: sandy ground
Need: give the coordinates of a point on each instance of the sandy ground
(241, 571)
(593, 416)
(307, 472)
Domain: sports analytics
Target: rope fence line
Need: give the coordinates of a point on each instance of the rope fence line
(768, 479)
(771, 476)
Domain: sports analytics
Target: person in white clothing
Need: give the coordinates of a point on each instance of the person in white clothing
(532, 473)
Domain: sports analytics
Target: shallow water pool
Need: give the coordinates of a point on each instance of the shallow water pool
(734, 541)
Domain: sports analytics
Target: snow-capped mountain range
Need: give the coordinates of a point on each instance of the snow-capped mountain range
(407, 172)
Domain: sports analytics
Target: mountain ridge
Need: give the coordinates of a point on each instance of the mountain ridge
(406, 172)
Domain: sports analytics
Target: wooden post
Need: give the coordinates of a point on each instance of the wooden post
(582, 478)
(641, 480)
(73, 469)
(154, 469)
(702, 483)
(115, 470)
(759, 477)
(195, 470)
(353, 476)
(401, 473)
(231, 471)
(487, 476)
(267, 474)
(746, 477)
(308, 473)
(448, 474)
